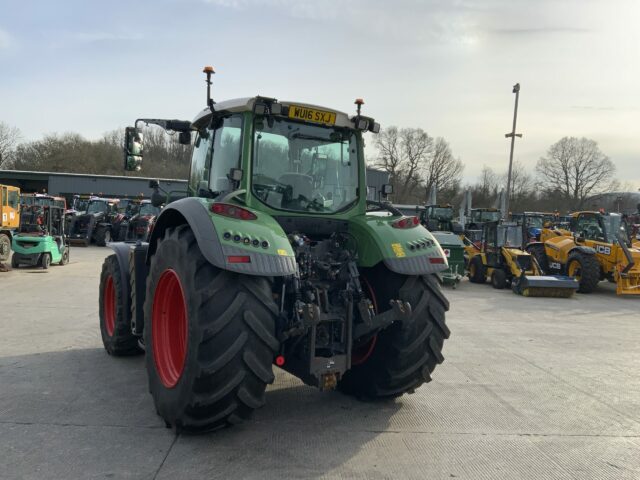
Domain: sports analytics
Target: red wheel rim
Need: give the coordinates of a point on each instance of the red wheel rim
(169, 328)
(109, 309)
(364, 351)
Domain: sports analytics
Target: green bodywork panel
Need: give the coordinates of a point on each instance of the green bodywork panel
(36, 245)
(264, 228)
(378, 240)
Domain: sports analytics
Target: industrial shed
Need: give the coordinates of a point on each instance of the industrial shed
(68, 184)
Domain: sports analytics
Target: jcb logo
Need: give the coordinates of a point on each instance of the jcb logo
(603, 249)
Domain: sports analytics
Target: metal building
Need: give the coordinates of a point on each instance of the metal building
(68, 184)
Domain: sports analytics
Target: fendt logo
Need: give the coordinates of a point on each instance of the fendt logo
(603, 249)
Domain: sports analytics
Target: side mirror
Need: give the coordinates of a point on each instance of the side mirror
(387, 189)
(184, 138)
(154, 184)
(133, 149)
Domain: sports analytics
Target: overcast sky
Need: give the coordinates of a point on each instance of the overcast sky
(445, 66)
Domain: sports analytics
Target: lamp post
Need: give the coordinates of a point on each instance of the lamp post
(512, 135)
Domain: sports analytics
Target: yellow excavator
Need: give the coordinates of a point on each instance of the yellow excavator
(500, 258)
(596, 247)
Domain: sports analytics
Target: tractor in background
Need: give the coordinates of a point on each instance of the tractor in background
(276, 257)
(96, 224)
(140, 226)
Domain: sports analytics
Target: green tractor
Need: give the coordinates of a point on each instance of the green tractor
(41, 238)
(276, 257)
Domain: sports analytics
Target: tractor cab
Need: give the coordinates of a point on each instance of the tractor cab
(41, 238)
(440, 218)
(607, 228)
(534, 222)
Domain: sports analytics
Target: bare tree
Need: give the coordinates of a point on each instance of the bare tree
(521, 194)
(9, 138)
(442, 169)
(577, 168)
(403, 154)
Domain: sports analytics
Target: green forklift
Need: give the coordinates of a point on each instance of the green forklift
(41, 238)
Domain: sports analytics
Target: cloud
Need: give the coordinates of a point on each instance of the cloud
(591, 107)
(94, 37)
(5, 40)
(538, 31)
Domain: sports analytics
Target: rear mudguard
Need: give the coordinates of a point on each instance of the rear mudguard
(223, 240)
(407, 251)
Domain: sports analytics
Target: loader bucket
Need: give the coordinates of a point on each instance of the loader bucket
(559, 286)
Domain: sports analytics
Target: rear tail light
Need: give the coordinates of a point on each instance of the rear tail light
(406, 222)
(239, 259)
(436, 260)
(233, 211)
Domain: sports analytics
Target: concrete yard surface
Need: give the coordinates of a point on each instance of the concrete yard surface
(530, 388)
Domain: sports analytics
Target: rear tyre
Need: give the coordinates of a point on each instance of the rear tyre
(14, 262)
(5, 247)
(585, 269)
(209, 335)
(538, 252)
(103, 236)
(499, 279)
(115, 323)
(477, 272)
(405, 354)
(45, 261)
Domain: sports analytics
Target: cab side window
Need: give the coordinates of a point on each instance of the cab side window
(198, 178)
(588, 227)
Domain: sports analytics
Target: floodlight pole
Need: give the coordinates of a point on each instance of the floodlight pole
(512, 135)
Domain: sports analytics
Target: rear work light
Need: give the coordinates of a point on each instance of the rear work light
(406, 222)
(232, 211)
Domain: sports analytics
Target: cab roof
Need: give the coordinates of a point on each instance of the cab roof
(246, 104)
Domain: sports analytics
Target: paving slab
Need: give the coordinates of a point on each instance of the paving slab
(530, 388)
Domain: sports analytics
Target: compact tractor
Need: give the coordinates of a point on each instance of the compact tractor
(595, 247)
(9, 218)
(275, 259)
(500, 259)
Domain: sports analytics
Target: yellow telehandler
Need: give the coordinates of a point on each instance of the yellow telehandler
(596, 247)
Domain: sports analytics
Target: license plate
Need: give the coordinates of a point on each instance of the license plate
(312, 115)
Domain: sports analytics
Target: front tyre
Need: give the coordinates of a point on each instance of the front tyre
(584, 267)
(405, 354)
(209, 335)
(115, 320)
